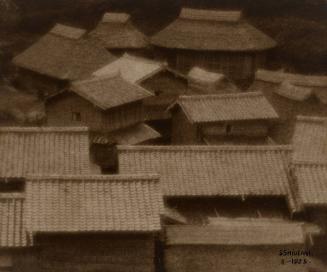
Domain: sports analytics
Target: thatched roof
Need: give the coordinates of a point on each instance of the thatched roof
(207, 171)
(78, 204)
(226, 107)
(109, 91)
(12, 227)
(64, 54)
(210, 30)
(310, 139)
(116, 31)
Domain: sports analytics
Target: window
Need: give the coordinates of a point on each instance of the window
(12, 185)
(76, 116)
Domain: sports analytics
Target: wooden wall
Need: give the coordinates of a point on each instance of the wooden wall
(183, 132)
(231, 259)
(61, 108)
(116, 253)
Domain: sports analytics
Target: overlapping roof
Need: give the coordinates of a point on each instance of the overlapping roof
(46, 150)
(71, 204)
(109, 91)
(209, 30)
(226, 171)
(226, 107)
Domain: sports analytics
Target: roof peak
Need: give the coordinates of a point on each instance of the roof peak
(43, 129)
(230, 16)
(69, 32)
(115, 17)
(204, 148)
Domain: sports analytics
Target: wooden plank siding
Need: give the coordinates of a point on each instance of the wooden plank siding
(60, 112)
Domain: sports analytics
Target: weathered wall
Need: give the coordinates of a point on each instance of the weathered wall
(118, 253)
(60, 113)
(183, 132)
(222, 259)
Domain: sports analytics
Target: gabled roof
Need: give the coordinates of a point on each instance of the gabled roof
(311, 183)
(133, 69)
(63, 53)
(202, 171)
(310, 139)
(116, 31)
(110, 203)
(43, 150)
(212, 31)
(237, 233)
(109, 91)
(226, 107)
(12, 227)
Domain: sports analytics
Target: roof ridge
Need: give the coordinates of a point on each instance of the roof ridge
(43, 129)
(67, 31)
(205, 148)
(230, 16)
(146, 60)
(221, 96)
(309, 163)
(115, 17)
(117, 177)
(318, 119)
(113, 74)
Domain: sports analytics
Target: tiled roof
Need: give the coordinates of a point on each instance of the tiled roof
(133, 69)
(209, 30)
(311, 183)
(310, 139)
(227, 171)
(234, 232)
(44, 150)
(226, 107)
(64, 54)
(116, 31)
(109, 91)
(58, 204)
(12, 229)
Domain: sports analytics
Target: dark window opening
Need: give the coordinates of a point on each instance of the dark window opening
(228, 129)
(76, 116)
(12, 185)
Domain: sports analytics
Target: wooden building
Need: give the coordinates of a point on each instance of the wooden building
(94, 223)
(60, 56)
(40, 150)
(165, 85)
(221, 41)
(292, 95)
(106, 105)
(240, 118)
(118, 34)
(236, 245)
(206, 181)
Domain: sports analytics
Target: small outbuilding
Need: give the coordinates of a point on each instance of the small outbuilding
(94, 223)
(118, 34)
(221, 41)
(240, 118)
(59, 57)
